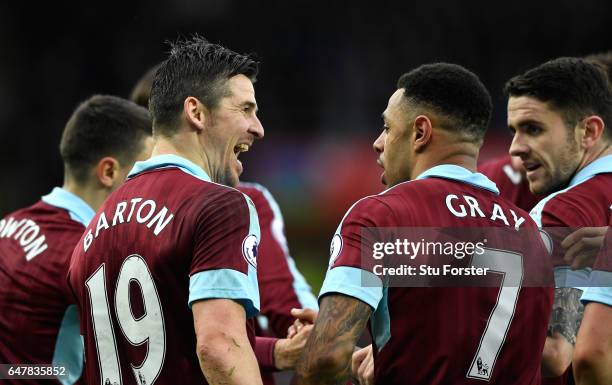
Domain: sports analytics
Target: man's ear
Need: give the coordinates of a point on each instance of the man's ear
(195, 112)
(593, 131)
(107, 171)
(423, 131)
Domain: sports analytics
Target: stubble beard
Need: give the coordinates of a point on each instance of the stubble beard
(567, 164)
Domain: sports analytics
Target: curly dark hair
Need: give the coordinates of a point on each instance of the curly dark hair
(453, 92)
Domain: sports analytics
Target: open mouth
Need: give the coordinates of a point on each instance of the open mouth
(531, 166)
(242, 147)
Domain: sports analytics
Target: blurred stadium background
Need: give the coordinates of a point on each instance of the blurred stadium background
(327, 71)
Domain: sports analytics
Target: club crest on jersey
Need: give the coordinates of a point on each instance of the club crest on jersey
(335, 248)
(249, 249)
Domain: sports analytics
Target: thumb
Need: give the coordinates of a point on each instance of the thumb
(360, 354)
(308, 315)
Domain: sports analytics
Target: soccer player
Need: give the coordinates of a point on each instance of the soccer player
(507, 174)
(281, 286)
(39, 322)
(434, 125)
(165, 274)
(592, 359)
(560, 112)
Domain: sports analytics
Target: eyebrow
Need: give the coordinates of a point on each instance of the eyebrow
(528, 121)
(249, 104)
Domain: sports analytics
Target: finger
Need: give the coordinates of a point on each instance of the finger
(356, 361)
(291, 331)
(584, 232)
(305, 331)
(360, 354)
(584, 260)
(306, 314)
(294, 329)
(368, 378)
(584, 246)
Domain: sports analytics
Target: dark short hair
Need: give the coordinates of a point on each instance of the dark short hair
(142, 90)
(572, 86)
(453, 92)
(604, 60)
(195, 68)
(103, 125)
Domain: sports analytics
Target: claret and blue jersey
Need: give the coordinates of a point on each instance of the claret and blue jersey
(166, 238)
(444, 335)
(586, 202)
(39, 321)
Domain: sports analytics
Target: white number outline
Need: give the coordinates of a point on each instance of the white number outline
(144, 303)
(108, 322)
(491, 258)
(99, 278)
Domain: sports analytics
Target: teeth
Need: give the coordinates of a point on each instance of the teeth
(241, 148)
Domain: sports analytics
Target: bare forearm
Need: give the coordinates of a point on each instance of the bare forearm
(327, 356)
(223, 348)
(562, 330)
(227, 359)
(594, 370)
(593, 354)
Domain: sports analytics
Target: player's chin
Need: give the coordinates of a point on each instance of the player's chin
(233, 180)
(539, 185)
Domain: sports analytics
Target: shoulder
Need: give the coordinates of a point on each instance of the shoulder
(584, 204)
(258, 193)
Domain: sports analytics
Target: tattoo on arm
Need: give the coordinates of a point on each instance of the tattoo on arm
(567, 313)
(339, 325)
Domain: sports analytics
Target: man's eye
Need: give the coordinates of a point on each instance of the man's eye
(532, 130)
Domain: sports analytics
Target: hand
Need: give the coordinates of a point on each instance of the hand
(583, 245)
(302, 317)
(362, 366)
(287, 351)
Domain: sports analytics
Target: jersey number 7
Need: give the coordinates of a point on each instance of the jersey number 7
(510, 266)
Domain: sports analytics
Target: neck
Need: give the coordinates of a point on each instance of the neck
(94, 196)
(185, 145)
(463, 154)
(595, 153)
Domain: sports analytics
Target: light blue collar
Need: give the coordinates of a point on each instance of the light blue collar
(598, 166)
(458, 173)
(169, 160)
(76, 207)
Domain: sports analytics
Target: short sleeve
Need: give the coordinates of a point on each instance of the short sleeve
(559, 217)
(226, 240)
(597, 294)
(347, 273)
(600, 280)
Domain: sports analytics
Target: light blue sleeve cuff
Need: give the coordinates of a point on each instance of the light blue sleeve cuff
(597, 294)
(354, 282)
(228, 284)
(69, 348)
(577, 279)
